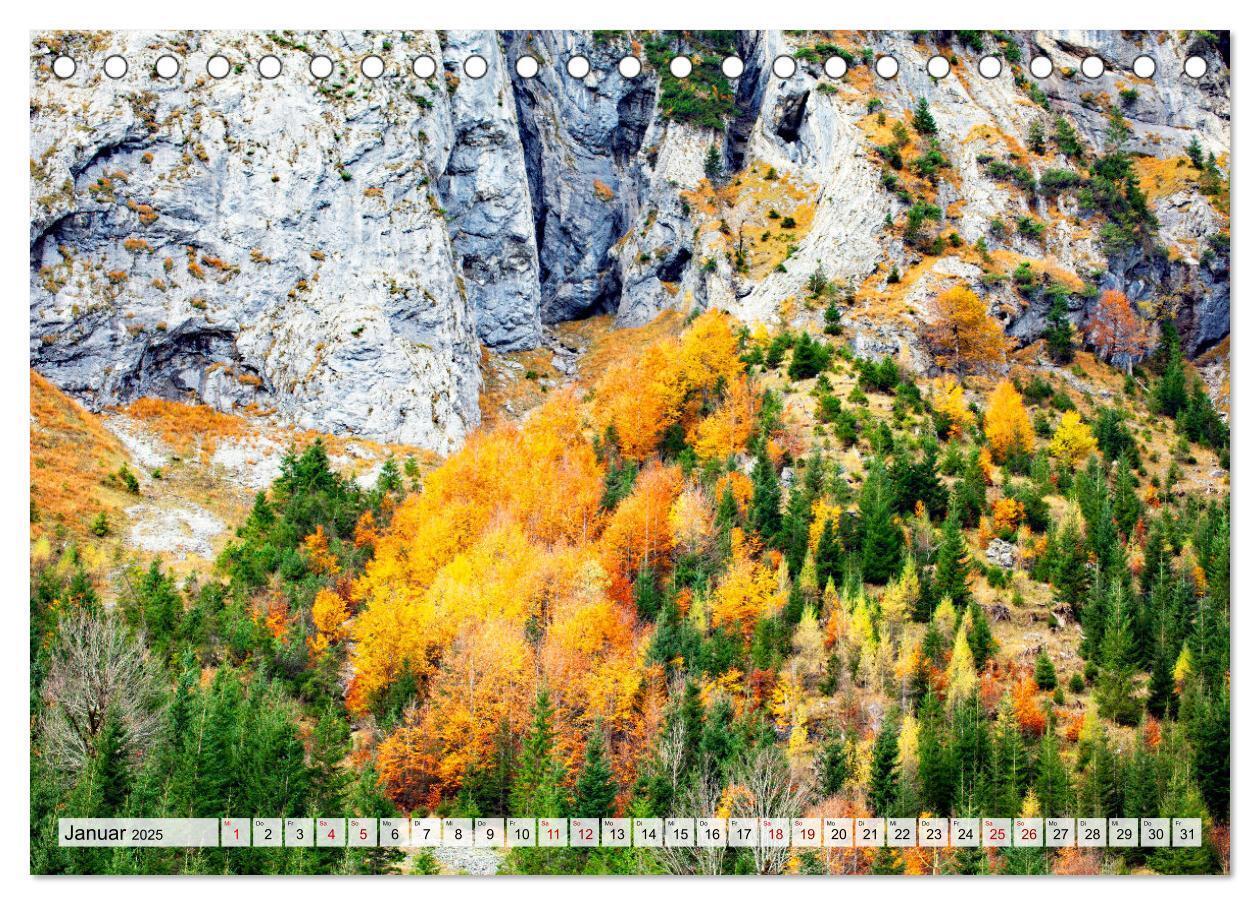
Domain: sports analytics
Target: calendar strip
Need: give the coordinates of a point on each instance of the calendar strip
(637, 832)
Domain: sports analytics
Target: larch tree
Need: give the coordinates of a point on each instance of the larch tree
(1006, 423)
(1119, 335)
(1072, 441)
(961, 333)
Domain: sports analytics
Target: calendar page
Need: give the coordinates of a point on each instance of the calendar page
(629, 452)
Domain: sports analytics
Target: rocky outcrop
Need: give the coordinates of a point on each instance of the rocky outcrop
(580, 138)
(486, 192)
(250, 242)
(336, 250)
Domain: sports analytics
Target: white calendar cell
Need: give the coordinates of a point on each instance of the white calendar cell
(649, 832)
(1060, 832)
(426, 832)
(553, 832)
(1122, 832)
(711, 832)
(1091, 832)
(457, 832)
(330, 832)
(584, 832)
(1154, 832)
(775, 832)
(1029, 832)
(680, 832)
(394, 831)
(362, 832)
(299, 832)
(614, 832)
(995, 832)
(268, 832)
(741, 832)
(806, 832)
(1187, 832)
(488, 832)
(234, 832)
(964, 832)
(522, 832)
(869, 832)
(933, 832)
(838, 832)
(901, 832)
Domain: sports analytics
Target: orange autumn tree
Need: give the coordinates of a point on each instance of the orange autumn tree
(1006, 424)
(1116, 331)
(961, 333)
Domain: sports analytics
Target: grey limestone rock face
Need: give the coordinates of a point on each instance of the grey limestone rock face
(338, 250)
(243, 240)
(486, 192)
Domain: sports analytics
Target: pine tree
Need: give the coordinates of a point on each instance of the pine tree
(764, 511)
(1058, 330)
(538, 789)
(924, 123)
(595, 791)
(938, 774)
(1127, 508)
(647, 597)
(330, 745)
(1008, 777)
(1195, 152)
(883, 544)
(1052, 783)
(1171, 394)
(885, 773)
(953, 564)
(829, 557)
(972, 755)
(1209, 731)
(1070, 575)
(713, 164)
(793, 537)
(1161, 688)
(980, 636)
(1115, 691)
(1044, 674)
(832, 766)
(1037, 137)
(831, 319)
(112, 765)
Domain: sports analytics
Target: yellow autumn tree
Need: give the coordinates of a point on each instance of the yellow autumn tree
(1006, 424)
(1073, 440)
(961, 333)
(960, 675)
(726, 431)
(747, 591)
(948, 400)
(329, 612)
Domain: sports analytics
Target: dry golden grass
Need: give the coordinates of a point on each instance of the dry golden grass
(72, 455)
(187, 428)
(761, 211)
(1160, 177)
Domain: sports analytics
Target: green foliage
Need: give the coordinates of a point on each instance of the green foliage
(809, 357)
(704, 98)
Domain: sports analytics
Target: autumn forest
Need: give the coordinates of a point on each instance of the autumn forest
(727, 572)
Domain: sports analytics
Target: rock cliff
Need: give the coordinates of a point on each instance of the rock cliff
(337, 250)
